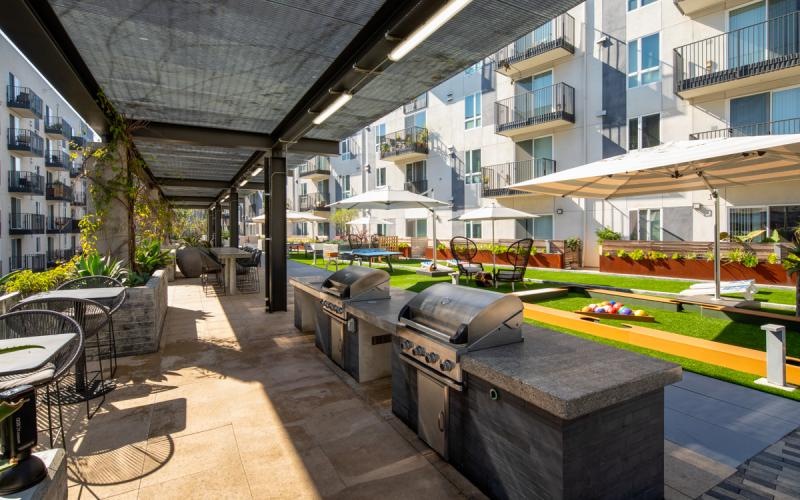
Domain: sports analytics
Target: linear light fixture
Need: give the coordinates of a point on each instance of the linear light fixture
(242, 184)
(256, 172)
(333, 108)
(431, 25)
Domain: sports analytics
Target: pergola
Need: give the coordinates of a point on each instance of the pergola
(227, 88)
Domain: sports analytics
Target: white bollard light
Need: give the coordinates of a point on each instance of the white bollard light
(776, 358)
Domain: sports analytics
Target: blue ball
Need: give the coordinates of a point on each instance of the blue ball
(612, 302)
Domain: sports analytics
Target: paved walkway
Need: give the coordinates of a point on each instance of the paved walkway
(238, 404)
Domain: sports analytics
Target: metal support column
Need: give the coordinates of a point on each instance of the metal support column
(278, 281)
(233, 220)
(265, 232)
(217, 224)
(209, 225)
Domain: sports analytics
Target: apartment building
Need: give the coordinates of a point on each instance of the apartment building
(604, 78)
(42, 195)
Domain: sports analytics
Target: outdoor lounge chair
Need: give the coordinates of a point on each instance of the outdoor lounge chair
(517, 255)
(746, 287)
(464, 250)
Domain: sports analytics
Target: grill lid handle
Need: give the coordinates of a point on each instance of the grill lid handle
(461, 336)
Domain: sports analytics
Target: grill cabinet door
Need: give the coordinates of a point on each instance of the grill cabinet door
(337, 341)
(432, 412)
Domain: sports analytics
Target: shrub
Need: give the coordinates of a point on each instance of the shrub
(621, 253)
(690, 256)
(736, 255)
(150, 257)
(750, 260)
(772, 258)
(28, 282)
(573, 244)
(499, 249)
(653, 255)
(676, 256)
(709, 256)
(403, 244)
(636, 255)
(441, 247)
(94, 265)
(607, 234)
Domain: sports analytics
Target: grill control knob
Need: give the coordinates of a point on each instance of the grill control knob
(419, 351)
(431, 357)
(406, 345)
(446, 365)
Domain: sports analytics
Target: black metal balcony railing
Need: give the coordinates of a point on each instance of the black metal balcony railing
(791, 126)
(409, 140)
(496, 179)
(761, 48)
(319, 165)
(57, 159)
(557, 33)
(25, 100)
(25, 141)
(25, 182)
(59, 255)
(56, 125)
(35, 262)
(21, 223)
(75, 170)
(78, 197)
(556, 102)
(78, 141)
(58, 191)
(59, 224)
(417, 187)
(315, 201)
(75, 226)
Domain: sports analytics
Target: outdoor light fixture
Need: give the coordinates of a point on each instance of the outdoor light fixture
(333, 108)
(423, 32)
(256, 172)
(559, 211)
(241, 184)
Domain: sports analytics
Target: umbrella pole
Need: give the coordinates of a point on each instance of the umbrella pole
(435, 250)
(494, 259)
(715, 195)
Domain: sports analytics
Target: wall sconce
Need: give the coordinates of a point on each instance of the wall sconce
(559, 211)
(702, 209)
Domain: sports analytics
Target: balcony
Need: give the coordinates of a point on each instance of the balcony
(315, 201)
(54, 256)
(57, 128)
(25, 182)
(405, 146)
(58, 191)
(693, 8)
(23, 102)
(75, 170)
(57, 159)
(78, 198)
(24, 142)
(317, 169)
(740, 62)
(20, 223)
(417, 187)
(78, 141)
(542, 109)
(35, 262)
(58, 224)
(545, 46)
(75, 226)
(496, 179)
(791, 126)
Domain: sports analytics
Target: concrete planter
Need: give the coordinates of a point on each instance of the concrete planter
(139, 322)
(763, 273)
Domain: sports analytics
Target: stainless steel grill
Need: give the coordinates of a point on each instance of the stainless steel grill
(351, 284)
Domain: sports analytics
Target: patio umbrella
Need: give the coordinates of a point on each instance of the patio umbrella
(387, 199)
(494, 213)
(368, 221)
(680, 166)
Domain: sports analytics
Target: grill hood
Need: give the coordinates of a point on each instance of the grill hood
(358, 283)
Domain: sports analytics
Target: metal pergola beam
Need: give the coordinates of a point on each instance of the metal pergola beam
(207, 200)
(205, 183)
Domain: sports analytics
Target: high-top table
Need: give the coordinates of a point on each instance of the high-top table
(40, 350)
(228, 257)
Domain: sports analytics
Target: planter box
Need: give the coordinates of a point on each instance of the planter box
(550, 260)
(140, 321)
(763, 273)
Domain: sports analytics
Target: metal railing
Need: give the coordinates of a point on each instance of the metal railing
(57, 126)
(418, 187)
(318, 164)
(57, 159)
(36, 261)
(763, 47)
(496, 179)
(58, 191)
(23, 223)
(23, 98)
(408, 140)
(25, 182)
(314, 201)
(76, 170)
(75, 226)
(58, 224)
(556, 102)
(78, 141)
(420, 102)
(556, 33)
(20, 139)
(59, 255)
(791, 126)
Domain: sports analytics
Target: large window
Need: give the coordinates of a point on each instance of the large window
(472, 111)
(776, 112)
(472, 171)
(416, 228)
(380, 133)
(643, 61)
(475, 68)
(416, 177)
(635, 4)
(781, 218)
(538, 228)
(380, 176)
(418, 120)
(344, 180)
(473, 229)
(645, 224)
(301, 229)
(346, 149)
(644, 132)
(421, 102)
(382, 229)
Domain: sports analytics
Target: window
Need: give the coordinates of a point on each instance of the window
(416, 120)
(303, 188)
(301, 229)
(472, 111)
(776, 112)
(643, 61)
(380, 176)
(346, 149)
(344, 181)
(416, 228)
(421, 102)
(472, 174)
(380, 134)
(781, 218)
(475, 68)
(416, 177)
(744, 220)
(645, 224)
(473, 229)
(323, 229)
(644, 132)
(538, 228)
(635, 4)
(382, 229)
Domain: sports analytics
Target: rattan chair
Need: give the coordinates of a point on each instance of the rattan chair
(517, 255)
(113, 306)
(464, 251)
(93, 318)
(25, 324)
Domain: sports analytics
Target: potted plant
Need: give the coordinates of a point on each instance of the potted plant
(404, 248)
(573, 247)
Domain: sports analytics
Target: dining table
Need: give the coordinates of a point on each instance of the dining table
(228, 256)
(31, 353)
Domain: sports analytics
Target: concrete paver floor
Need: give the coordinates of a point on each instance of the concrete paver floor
(239, 404)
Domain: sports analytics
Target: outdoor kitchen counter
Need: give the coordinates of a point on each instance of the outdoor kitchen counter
(567, 376)
(382, 314)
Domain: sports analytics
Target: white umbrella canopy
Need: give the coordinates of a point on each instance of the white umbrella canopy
(292, 216)
(369, 220)
(680, 166)
(493, 213)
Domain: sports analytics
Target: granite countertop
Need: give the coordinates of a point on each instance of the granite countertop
(310, 284)
(382, 313)
(568, 376)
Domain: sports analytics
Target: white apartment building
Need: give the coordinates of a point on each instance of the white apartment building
(608, 76)
(42, 197)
